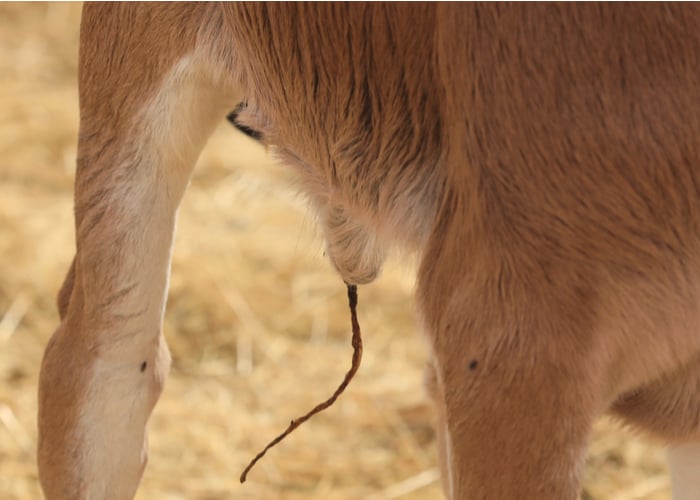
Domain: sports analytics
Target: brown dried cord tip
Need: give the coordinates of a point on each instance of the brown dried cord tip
(356, 359)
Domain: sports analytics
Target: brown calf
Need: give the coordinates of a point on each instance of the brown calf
(542, 160)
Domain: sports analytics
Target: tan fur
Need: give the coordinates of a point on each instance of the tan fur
(542, 160)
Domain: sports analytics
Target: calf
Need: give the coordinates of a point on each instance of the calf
(542, 160)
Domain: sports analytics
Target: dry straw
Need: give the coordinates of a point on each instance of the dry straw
(256, 320)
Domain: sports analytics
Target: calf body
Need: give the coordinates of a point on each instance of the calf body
(543, 161)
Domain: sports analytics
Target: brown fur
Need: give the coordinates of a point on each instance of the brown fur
(543, 161)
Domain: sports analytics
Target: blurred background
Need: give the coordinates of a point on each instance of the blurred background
(257, 321)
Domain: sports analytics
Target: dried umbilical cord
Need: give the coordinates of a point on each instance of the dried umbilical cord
(356, 359)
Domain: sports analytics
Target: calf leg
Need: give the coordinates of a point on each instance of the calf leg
(145, 115)
(512, 430)
(516, 379)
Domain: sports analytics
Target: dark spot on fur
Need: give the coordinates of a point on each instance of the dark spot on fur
(473, 364)
(143, 366)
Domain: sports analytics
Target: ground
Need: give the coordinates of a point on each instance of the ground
(257, 320)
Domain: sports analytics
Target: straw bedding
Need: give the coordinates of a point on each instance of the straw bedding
(257, 321)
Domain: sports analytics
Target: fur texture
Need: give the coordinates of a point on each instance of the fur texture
(542, 160)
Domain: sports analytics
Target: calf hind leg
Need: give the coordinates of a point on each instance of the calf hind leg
(513, 430)
(142, 126)
(517, 394)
